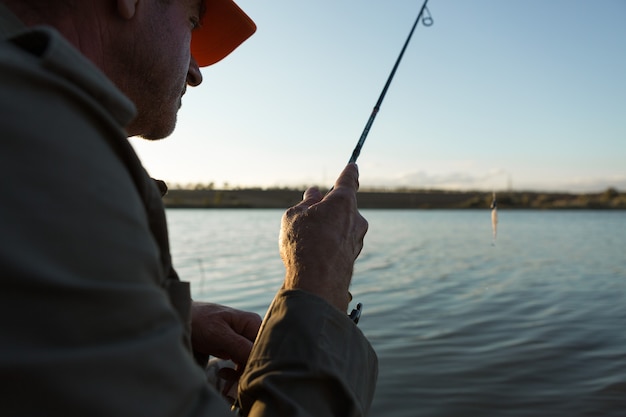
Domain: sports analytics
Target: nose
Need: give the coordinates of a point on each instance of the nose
(194, 76)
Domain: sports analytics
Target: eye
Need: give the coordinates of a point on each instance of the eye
(195, 23)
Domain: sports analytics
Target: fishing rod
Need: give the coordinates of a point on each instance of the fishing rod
(427, 20)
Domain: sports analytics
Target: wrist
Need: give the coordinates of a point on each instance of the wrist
(334, 295)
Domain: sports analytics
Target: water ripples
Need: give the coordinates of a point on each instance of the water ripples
(533, 326)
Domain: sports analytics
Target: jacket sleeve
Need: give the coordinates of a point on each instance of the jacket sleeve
(309, 359)
(87, 328)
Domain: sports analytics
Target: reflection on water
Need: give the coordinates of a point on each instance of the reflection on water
(533, 326)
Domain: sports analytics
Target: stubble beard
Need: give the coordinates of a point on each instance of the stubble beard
(156, 115)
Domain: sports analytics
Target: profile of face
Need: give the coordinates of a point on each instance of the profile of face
(158, 62)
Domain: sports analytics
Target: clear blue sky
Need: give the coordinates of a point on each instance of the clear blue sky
(526, 94)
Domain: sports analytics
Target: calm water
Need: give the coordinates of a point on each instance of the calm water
(534, 325)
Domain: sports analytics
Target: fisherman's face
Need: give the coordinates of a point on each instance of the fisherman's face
(161, 65)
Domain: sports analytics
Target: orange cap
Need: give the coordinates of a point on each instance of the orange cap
(223, 28)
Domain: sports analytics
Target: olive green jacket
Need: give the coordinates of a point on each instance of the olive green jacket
(93, 318)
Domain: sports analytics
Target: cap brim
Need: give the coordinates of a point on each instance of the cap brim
(223, 28)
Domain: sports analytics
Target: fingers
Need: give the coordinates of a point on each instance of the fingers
(345, 190)
(349, 178)
(245, 326)
(238, 349)
(320, 239)
(311, 196)
(223, 331)
(252, 325)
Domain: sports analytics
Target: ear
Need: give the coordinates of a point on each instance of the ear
(127, 8)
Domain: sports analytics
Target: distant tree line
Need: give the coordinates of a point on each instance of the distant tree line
(207, 196)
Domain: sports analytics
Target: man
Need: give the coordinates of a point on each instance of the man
(94, 319)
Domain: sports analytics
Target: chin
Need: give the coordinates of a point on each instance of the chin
(158, 134)
(159, 129)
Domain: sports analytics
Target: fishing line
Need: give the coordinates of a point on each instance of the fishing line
(427, 20)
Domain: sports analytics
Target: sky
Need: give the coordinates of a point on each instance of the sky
(495, 95)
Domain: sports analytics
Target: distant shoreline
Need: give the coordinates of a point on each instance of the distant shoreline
(610, 199)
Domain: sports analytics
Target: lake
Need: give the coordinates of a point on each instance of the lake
(533, 324)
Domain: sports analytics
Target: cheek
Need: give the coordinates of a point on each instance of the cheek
(183, 55)
(174, 64)
(176, 41)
